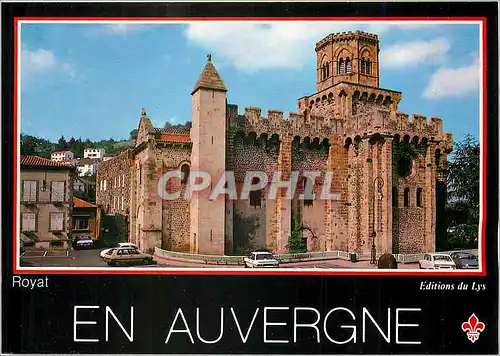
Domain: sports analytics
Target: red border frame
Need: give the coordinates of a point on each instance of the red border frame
(247, 272)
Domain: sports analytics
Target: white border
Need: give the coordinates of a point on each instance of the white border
(279, 271)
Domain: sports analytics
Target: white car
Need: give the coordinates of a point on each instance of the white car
(83, 242)
(261, 259)
(436, 261)
(120, 244)
(127, 255)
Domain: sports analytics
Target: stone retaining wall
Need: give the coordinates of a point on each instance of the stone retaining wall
(239, 260)
(284, 258)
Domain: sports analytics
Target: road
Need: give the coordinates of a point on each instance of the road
(90, 258)
(71, 258)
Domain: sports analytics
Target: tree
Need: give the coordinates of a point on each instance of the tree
(62, 145)
(133, 134)
(296, 242)
(29, 145)
(462, 209)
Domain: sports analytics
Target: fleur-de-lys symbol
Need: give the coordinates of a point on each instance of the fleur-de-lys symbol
(473, 327)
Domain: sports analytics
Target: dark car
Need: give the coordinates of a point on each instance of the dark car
(465, 260)
(83, 242)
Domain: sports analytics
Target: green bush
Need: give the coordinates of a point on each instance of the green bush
(56, 243)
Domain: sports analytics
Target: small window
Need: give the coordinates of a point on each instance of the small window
(28, 222)
(29, 190)
(419, 197)
(185, 173)
(368, 66)
(341, 66)
(255, 195)
(362, 65)
(56, 221)
(348, 65)
(57, 192)
(81, 224)
(407, 197)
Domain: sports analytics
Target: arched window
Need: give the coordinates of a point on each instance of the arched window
(419, 197)
(348, 65)
(407, 197)
(341, 66)
(395, 197)
(368, 66)
(185, 173)
(362, 66)
(327, 65)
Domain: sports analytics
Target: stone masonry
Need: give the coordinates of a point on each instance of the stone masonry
(385, 166)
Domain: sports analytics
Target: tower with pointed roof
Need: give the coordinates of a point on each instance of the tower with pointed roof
(208, 154)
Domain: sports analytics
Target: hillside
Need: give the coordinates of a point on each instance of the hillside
(31, 145)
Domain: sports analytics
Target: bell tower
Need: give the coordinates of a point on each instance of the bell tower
(350, 57)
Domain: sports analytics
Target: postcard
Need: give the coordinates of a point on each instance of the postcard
(236, 178)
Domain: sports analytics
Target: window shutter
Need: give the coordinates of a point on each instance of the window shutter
(26, 190)
(57, 191)
(29, 190)
(29, 222)
(56, 221)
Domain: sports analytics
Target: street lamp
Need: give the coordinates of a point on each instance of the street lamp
(379, 183)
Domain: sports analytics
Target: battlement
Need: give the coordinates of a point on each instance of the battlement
(419, 123)
(276, 122)
(346, 36)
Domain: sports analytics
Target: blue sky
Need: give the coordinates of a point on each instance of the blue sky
(91, 80)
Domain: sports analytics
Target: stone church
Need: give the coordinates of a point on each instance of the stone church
(387, 168)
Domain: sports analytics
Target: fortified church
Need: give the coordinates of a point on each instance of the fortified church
(387, 168)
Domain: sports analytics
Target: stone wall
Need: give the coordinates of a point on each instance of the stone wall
(175, 220)
(113, 184)
(410, 230)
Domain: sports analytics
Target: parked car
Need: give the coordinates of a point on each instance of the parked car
(120, 244)
(436, 261)
(82, 242)
(465, 260)
(261, 259)
(127, 255)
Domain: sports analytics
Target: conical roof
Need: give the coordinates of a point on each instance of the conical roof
(210, 78)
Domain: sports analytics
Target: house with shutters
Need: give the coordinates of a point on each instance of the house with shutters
(46, 206)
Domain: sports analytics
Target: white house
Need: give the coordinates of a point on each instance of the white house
(59, 156)
(86, 167)
(94, 153)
